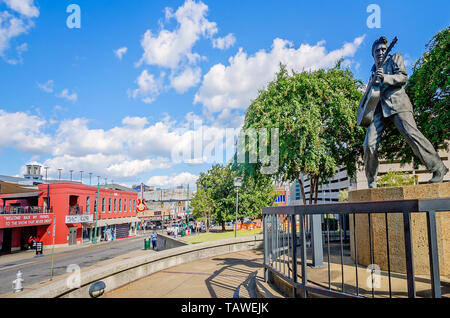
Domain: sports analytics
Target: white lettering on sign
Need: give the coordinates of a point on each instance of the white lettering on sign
(23, 220)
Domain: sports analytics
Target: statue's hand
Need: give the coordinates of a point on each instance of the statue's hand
(380, 74)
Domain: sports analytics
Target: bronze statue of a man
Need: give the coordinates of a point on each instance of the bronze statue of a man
(395, 107)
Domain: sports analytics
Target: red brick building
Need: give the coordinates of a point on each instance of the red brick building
(71, 208)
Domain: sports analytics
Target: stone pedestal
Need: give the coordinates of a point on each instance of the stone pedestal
(395, 230)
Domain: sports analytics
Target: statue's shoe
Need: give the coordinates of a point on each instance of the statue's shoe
(373, 185)
(439, 175)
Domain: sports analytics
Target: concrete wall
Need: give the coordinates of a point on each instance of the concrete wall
(167, 242)
(117, 274)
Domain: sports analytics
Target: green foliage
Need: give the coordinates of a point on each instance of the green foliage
(429, 91)
(395, 179)
(343, 195)
(203, 206)
(217, 194)
(315, 113)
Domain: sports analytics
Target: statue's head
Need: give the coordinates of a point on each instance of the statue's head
(379, 48)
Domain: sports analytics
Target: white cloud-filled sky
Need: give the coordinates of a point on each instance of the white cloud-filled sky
(144, 91)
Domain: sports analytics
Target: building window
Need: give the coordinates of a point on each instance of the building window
(95, 205)
(109, 207)
(134, 205)
(115, 205)
(124, 205)
(130, 207)
(120, 205)
(103, 205)
(88, 205)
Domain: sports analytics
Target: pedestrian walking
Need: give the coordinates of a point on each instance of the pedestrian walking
(30, 242)
(154, 237)
(175, 232)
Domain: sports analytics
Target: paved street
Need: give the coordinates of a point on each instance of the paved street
(36, 269)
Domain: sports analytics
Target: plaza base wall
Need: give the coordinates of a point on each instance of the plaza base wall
(396, 233)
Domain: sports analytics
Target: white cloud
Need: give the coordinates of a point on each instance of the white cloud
(190, 77)
(235, 85)
(149, 87)
(47, 86)
(131, 168)
(70, 97)
(225, 42)
(170, 48)
(138, 122)
(173, 49)
(122, 152)
(23, 132)
(120, 52)
(115, 167)
(13, 25)
(173, 180)
(24, 7)
(10, 27)
(73, 137)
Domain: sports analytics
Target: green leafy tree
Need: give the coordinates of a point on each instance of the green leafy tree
(217, 189)
(315, 113)
(203, 206)
(429, 91)
(395, 179)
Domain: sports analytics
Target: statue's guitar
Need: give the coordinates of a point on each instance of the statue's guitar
(369, 102)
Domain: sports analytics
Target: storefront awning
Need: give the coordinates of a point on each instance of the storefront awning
(17, 196)
(106, 222)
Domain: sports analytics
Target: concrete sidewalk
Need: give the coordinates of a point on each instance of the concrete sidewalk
(215, 277)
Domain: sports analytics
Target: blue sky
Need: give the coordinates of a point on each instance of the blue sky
(69, 100)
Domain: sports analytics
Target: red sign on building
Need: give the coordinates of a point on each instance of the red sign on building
(19, 220)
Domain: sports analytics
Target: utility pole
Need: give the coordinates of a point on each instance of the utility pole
(94, 240)
(53, 248)
(71, 174)
(46, 168)
(90, 178)
(187, 207)
(59, 174)
(81, 176)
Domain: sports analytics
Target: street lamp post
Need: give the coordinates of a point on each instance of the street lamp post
(46, 168)
(90, 178)
(71, 174)
(81, 176)
(237, 184)
(59, 173)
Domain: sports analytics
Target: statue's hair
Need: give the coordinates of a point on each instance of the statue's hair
(381, 40)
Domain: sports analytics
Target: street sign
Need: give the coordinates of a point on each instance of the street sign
(82, 218)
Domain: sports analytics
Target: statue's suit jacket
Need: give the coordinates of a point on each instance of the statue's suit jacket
(393, 97)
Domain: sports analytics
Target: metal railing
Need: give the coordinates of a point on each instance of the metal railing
(24, 210)
(290, 232)
(75, 210)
